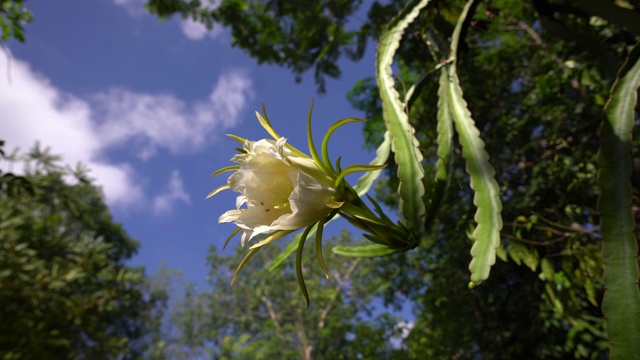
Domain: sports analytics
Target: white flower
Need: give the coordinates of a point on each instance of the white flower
(281, 191)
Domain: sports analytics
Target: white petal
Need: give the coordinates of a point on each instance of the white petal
(229, 216)
(246, 236)
(240, 200)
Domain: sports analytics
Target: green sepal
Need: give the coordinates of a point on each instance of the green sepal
(237, 138)
(243, 262)
(273, 237)
(312, 148)
(375, 239)
(361, 214)
(379, 209)
(264, 121)
(299, 275)
(368, 227)
(225, 169)
(313, 171)
(266, 124)
(356, 168)
(327, 136)
(217, 190)
(237, 230)
(323, 266)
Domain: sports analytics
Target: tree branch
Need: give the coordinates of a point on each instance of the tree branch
(272, 315)
(347, 276)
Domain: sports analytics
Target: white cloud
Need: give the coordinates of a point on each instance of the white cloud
(192, 29)
(197, 31)
(151, 121)
(133, 7)
(174, 192)
(32, 109)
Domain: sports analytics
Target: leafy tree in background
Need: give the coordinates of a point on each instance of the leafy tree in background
(539, 114)
(264, 317)
(298, 35)
(13, 16)
(65, 290)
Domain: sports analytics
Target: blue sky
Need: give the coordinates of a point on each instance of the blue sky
(145, 105)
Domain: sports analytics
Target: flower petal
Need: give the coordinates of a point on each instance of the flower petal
(229, 216)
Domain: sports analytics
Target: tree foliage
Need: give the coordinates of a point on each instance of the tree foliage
(265, 317)
(539, 115)
(66, 291)
(299, 35)
(13, 16)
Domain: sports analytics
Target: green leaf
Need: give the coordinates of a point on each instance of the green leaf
(521, 253)
(403, 141)
(546, 270)
(487, 191)
(444, 164)
(621, 302)
(363, 251)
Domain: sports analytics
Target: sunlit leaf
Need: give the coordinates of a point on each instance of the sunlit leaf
(403, 141)
(487, 191)
(363, 251)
